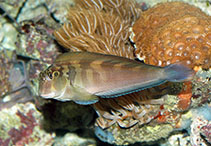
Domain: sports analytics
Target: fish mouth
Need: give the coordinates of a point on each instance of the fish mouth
(47, 95)
(53, 95)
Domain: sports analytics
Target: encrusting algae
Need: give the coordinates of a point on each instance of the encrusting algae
(104, 28)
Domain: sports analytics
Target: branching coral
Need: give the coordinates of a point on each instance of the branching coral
(171, 32)
(99, 26)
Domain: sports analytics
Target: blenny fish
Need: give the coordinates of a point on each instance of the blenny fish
(83, 77)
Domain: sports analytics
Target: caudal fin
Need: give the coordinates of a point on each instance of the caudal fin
(178, 72)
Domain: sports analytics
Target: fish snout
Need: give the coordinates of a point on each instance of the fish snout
(45, 89)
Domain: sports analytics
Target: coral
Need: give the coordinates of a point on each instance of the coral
(171, 32)
(36, 41)
(6, 65)
(206, 132)
(127, 10)
(203, 5)
(20, 137)
(139, 117)
(195, 137)
(71, 139)
(14, 81)
(146, 116)
(20, 125)
(125, 111)
(178, 139)
(35, 44)
(103, 27)
(185, 96)
(172, 104)
(139, 133)
(201, 88)
(139, 108)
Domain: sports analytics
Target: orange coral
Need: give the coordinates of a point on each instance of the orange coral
(171, 32)
(100, 26)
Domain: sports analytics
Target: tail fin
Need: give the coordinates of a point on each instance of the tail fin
(178, 72)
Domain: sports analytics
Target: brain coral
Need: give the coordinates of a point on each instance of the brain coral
(171, 32)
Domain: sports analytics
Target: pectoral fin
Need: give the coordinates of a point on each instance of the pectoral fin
(81, 96)
(85, 100)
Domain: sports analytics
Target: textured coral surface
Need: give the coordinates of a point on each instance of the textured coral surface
(103, 26)
(100, 26)
(125, 120)
(171, 32)
(20, 125)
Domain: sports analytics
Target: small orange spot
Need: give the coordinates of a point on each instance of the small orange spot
(197, 68)
(163, 118)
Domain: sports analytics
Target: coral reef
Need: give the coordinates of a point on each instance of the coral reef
(171, 32)
(20, 125)
(204, 5)
(195, 137)
(178, 139)
(123, 117)
(146, 116)
(205, 131)
(103, 27)
(36, 41)
(26, 48)
(126, 111)
(140, 116)
(36, 47)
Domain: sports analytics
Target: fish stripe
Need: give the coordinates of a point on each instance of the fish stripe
(71, 74)
(90, 75)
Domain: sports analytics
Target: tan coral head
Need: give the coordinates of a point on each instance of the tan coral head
(171, 32)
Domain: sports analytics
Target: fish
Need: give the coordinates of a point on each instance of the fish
(84, 77)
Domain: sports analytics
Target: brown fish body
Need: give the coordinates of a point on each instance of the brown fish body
(88, 75)
(99, 73)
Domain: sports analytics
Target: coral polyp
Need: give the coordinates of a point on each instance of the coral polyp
(171, 32)
(100, 26)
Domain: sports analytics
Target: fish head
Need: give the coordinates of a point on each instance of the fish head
(52, 82)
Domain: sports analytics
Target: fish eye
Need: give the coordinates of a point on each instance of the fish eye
(50, 75)
(55, 74)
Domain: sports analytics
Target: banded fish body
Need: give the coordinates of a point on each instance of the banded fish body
(84, 77)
